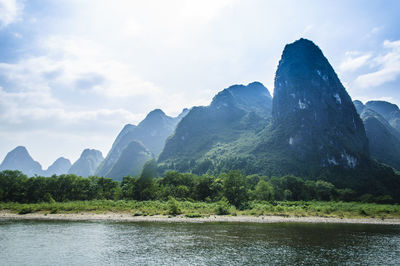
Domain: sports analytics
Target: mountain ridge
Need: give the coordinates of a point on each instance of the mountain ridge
(87, 163)
(208, 130)
(20, 159)
(151, 132)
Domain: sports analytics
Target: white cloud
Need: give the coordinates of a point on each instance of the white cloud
(388, 65)
(82, 58)
(353, 61)
(9, 11)
(76, 64)
(33, 109)
(60, 131)
(48, 94)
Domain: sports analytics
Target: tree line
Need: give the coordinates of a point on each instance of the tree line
(233, 186)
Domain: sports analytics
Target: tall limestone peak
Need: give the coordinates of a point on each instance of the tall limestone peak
(59, 167)
(20, 159)
(131, 161)
(87, 163)
(386, 109)
(204, 136)
(184, 112)
(151, 132)
(389, 111)
(359, 106)
(384, 140)
(254, 97)
(155, 118)
(314, 119)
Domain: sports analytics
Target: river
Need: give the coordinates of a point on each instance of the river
(144, 243)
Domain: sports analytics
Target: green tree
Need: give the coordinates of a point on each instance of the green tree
(12, 186)
(295, 185)
(203, 188)
(128, 185)
(264, 191)
(287, 194)
(324, 190)
(146, 188)
(235, 188)
(149, 170)
(346, 194)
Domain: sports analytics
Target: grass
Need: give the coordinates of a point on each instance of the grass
(202, 209)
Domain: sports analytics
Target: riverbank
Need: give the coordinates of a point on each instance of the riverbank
(204, 211)
(125, 217)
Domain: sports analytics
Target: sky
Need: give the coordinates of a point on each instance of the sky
(74, 72)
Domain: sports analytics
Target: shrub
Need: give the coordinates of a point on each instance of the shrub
(48, 198)
(223, 207)
(173, 207)
(193, 215)
(384, 199)
(25, 210)
(367, 198)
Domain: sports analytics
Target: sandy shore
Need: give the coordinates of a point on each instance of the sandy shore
(124, 217)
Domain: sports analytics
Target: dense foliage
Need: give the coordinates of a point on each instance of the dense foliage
(233, 187)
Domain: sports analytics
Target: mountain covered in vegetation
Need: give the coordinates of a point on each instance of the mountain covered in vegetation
(314, 124)
(384, 140)
(312, 131)
(131, 161)
(147, 139)
(20, 159)
(388, 110)
(87, 163)
(207, 135)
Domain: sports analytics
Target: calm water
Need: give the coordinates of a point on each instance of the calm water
(111, 243)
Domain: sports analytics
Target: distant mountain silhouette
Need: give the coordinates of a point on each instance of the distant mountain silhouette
(87, 163)
(388, 110)
(151, 133)
(59, 167)
(131, 161)
(384, 140)
(20, 159)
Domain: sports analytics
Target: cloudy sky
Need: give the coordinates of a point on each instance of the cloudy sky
(74, 72)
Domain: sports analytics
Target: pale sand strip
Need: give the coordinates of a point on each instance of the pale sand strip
(124, 217)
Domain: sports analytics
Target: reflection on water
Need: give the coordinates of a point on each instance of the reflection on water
(110, 243)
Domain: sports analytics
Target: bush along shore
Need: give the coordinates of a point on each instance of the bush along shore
(190, 196)
(172, 207)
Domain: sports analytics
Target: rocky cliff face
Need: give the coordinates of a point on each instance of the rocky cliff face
(87, 163)
(20, 159)
(314, 120)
